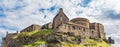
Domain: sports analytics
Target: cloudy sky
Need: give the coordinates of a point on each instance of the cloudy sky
(18, 14)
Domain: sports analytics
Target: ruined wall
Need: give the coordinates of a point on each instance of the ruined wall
(75, 29)
(94, 33)
(3, 43)
(47, 26)
(8, 41)
(59, 18)
(33, 27)
(99, 29)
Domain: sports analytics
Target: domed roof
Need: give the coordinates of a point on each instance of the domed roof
(80, 19)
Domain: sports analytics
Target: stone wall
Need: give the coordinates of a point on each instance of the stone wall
(99, 28)
(81, 21)
(3, 43)
(77, 30)
(8, 40)
(59, 18)
(33, 27)
(94, 33)
(47, 26)
(101, 31)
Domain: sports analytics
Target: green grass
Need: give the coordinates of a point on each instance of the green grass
(65, 44)
(33, 33)
(35, 44)
(96, 43)
(90, 42)
(37, 37)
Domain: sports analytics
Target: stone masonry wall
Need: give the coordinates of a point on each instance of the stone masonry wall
(77, 30)
(33, 27)
(59, 18)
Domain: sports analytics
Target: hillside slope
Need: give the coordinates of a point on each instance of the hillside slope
(49, 38)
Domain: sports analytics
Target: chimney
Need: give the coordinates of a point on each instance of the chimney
(17, 32)
(7, 32)
(60, 10)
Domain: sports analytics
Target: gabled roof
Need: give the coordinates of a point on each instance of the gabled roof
(61, 12)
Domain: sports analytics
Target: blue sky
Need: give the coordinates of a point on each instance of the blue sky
(15, 15)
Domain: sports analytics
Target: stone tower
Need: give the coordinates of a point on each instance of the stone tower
(59, 19)
(99, 28)
(81, 21)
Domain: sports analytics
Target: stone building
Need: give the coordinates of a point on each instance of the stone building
(61, 23)
(8, 41)
(60, 18)
(32, 27)
(78, 26)
(47, 26)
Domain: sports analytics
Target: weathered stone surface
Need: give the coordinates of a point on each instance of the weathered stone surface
(81, 21)
(8, 41)
(47, 26)
(33, 27)
(59, 18)
(99, 28)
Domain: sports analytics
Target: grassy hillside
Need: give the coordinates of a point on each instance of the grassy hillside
(35, 38)
(33, 33)
(90, 42)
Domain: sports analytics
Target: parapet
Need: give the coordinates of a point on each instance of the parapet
(81, 21)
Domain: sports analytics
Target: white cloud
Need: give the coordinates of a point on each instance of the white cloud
(2, 32)
(115, 45)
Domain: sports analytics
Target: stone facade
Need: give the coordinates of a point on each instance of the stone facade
(33, 27)
(78, 26)
(59, 18)
(47, 26)
(81, 21)
(99, 28)
(8, 41)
